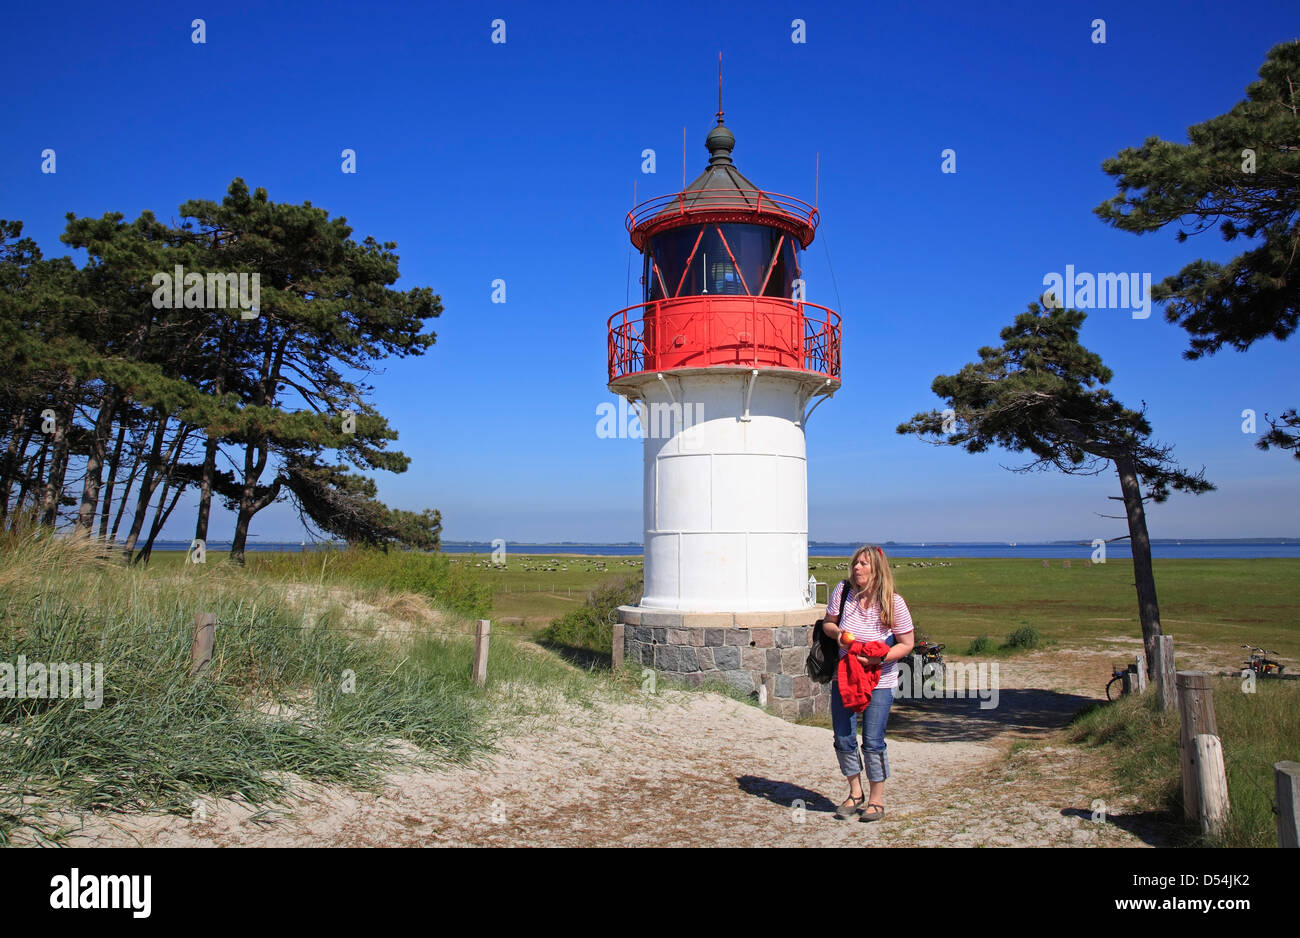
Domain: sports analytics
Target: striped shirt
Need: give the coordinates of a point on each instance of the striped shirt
(867, 627)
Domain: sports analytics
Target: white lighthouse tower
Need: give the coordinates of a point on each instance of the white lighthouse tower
(725, 360)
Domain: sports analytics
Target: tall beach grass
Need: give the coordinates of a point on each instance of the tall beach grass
(292, 689)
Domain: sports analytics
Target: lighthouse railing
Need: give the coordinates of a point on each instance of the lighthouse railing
(722, 199)
(704, 331)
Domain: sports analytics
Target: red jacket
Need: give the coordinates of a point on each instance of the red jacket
(855, 682)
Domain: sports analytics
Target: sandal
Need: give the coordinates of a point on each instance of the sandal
(868, 815)
(850, 807)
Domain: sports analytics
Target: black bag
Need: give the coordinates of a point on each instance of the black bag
(824, 656)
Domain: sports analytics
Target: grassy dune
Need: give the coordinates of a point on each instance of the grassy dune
(305, 682)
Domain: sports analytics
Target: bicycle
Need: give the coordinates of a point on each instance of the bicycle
(1115, 687)
(931, 661)
(1261, 665)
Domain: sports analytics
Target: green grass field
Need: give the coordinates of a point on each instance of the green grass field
(1221, 603)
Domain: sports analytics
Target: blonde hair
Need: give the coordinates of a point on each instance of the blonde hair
(882, 582)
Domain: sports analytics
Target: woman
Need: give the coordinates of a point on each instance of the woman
(872, 612)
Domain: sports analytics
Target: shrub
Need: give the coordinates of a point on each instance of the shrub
(980, 646)
(1027, 637)
(592, 626)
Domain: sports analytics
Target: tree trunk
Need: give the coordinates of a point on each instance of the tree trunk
(95, 463)
(153, 462)
(253, 467)
(158, 524)
(1143, 574)
(205, 489)
(163, 509)
(12, 459)
(113, 462)
(29, 477)
(210, 446)
(58, 462)
(249, 504)
(126, 497)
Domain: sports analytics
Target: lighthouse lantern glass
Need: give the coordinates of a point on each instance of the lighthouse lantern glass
(711, 270)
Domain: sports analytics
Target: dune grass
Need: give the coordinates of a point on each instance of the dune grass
(292, 690)
(1257, 729)
(434, 576)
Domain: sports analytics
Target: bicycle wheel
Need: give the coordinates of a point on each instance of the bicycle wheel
(1115, 689)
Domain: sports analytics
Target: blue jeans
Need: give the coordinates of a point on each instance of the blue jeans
(845, 725)
(873, 720)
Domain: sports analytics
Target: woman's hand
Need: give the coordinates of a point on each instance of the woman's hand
(870, 662)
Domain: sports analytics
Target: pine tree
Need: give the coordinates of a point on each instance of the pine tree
(1239, 172)
(1041, 392)
(325, 307)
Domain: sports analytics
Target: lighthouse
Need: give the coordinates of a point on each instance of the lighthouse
(725, 359)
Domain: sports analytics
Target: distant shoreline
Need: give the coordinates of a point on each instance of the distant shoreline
(1076, 551)
(944, 543)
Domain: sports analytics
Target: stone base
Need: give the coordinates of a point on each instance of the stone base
(758, 653)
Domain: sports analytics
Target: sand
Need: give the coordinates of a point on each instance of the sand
(694, 769)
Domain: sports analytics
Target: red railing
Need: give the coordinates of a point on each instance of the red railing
(704, 331)
(753, 205)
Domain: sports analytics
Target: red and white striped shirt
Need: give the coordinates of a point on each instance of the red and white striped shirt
(867, 627)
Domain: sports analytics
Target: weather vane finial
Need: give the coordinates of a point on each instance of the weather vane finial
(719, 86)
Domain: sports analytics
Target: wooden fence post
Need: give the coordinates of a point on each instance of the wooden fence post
(1166, 687)
(1211, 783)
(616, 661)
(481, 633)
(205, 627)
(1286, 784)
(1196, 716)
(1141, 672)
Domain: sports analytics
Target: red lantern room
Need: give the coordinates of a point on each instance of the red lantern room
(722, 281)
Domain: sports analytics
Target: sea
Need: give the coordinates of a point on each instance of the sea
(1050, 550)
(1163, 549)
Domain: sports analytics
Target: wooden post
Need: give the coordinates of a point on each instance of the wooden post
(205, 628)
(767, 691)
(1286, 785)
(1211, 783)
(1128, 683)
(1166, 687)
(481, 633)
(1196, 713)
(617, 657)
(1141, 672)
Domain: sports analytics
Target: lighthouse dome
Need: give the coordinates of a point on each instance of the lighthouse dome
(721, 184)
(720, 142)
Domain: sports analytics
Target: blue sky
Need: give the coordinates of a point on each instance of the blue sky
(517, 161)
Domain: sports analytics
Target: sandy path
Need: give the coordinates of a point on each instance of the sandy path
(703, 770)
